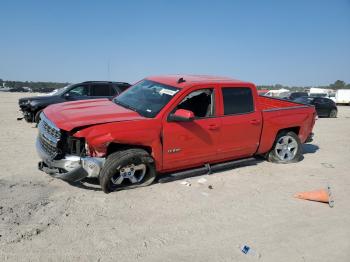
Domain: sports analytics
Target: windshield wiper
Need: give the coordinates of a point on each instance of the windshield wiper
(126, 106)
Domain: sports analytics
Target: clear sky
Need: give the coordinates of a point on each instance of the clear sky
(288, 42)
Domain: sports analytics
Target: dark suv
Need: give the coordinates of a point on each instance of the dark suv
(31, 107)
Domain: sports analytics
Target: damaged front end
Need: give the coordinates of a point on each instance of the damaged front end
(63, 155)
(25, 108)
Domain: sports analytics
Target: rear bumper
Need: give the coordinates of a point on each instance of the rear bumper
(70, 168)
(310, 138)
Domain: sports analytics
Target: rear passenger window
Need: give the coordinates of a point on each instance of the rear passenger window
(237, 100)
(101, 90)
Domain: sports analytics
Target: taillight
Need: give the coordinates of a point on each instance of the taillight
(314, 118)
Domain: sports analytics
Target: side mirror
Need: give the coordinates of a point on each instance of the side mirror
(67, 96)
(181, 115)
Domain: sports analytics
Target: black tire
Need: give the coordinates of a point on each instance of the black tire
(37, 116)
(333, 113)
(274, 155)
(116, 161)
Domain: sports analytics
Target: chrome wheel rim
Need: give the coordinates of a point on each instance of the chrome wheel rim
(131, 173)
(286, 148)
(333, 113)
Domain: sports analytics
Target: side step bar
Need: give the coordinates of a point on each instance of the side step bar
(207, 169)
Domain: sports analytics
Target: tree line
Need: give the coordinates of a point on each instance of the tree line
(34, 86)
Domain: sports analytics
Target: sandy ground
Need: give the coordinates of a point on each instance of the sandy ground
(45, 219)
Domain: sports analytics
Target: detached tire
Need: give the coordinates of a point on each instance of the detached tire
(287, 148)
(127, 169)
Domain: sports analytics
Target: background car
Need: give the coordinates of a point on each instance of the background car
(325, 107)
(31, 107)
(295, 95)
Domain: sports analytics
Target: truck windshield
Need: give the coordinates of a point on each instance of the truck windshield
(146, 97)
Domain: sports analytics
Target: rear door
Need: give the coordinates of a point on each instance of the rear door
(192, 143)
(241, 123)
(322, 107)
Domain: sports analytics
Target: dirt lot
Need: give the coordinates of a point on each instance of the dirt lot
(45, 219)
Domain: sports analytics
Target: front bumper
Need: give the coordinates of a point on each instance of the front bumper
(27, 115)
(70, 168)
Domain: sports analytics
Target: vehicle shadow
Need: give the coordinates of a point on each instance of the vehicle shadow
(88, 184)
(310, 148)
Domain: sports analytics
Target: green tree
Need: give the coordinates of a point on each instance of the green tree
(339, 84)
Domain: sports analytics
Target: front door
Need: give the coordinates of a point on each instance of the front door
(187, 144)
(79, 92)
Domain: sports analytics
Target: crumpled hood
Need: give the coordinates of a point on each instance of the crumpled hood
(70, 115)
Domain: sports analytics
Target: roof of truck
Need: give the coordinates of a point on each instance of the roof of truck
(182, 81)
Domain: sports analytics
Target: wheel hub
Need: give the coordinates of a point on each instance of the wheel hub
(286, 148)
(127, 172)
(133, 173)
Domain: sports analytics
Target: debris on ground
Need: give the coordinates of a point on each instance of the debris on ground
(202, 180)
(247, 250)
(321, 195)
(327, 165)
(185, 183)
(210, 187)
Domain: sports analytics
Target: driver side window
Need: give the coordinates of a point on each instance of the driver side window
(200, 102)
(79, 91)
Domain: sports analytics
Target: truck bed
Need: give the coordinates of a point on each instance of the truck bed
(270, 103)
(281, 114)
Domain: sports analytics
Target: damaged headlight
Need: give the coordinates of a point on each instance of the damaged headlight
(76, 146)
(24, 102)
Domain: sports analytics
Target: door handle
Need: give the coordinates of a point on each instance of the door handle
(213, 127)
(255, 122)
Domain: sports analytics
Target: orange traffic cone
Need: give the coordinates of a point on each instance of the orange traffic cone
(321, 195)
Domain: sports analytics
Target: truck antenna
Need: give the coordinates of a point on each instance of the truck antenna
(181, 80)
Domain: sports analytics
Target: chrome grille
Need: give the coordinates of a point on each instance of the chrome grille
(50, 128)
(49, 136)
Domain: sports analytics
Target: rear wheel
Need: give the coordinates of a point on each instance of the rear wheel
(333, 113)
(286, 149)
(127, 169)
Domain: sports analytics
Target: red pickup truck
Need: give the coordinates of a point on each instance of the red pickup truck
(168, 124)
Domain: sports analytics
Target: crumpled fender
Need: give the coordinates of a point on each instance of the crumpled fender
(145, 133)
